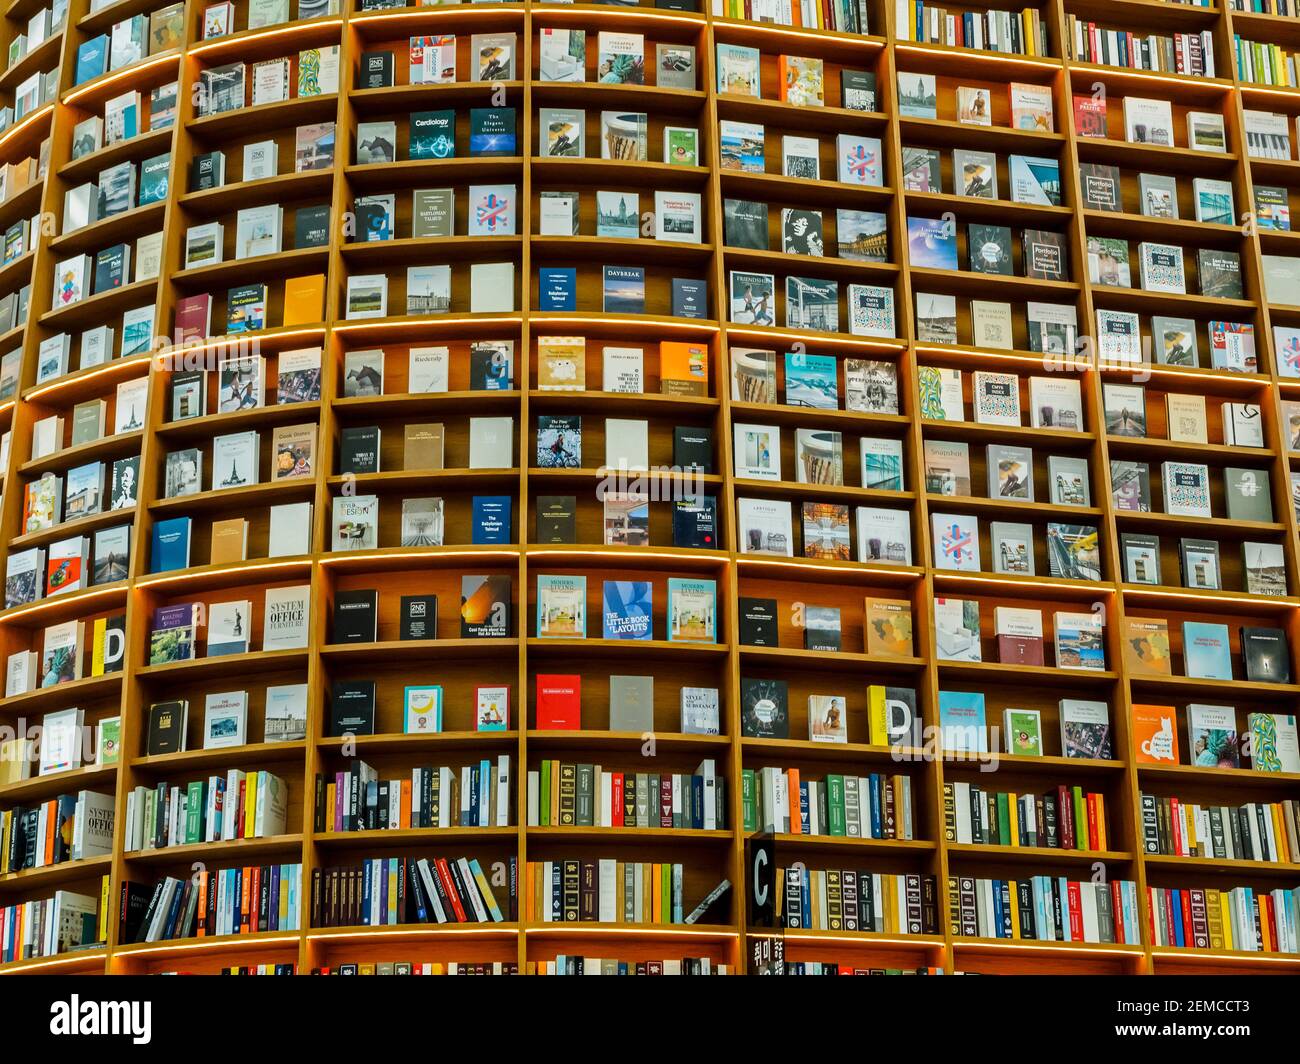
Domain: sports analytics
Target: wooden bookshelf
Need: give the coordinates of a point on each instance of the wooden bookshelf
(457, 663)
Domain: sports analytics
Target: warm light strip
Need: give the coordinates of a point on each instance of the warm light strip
(1089, 588)
(660, 929)
(971, 352)
(982, 56)
(875, 570)
(606, 555)
(237, 340)
(113, 367)
(420, 932)
(216, 943)
(408, 323)
(1268, 90)
(852, 40)
(49, 602)
(280, 31)
(126, 72)
(1119, 948)
(183, 577)
(1240, 600)
(1245, 955)
(57, 962)
(421, 556)
(1148, 75)
(27, 120)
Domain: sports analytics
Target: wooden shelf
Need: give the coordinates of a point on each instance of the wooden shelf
(459, 665)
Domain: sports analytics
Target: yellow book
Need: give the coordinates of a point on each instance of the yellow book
(877, 716)
(392, 893)
(1027, 29)
(367, 968)
(1015, 908)
(1279, 833)
(103, 909)
(304, 299)
(1013, 820)
(815, 901)
(891, 904)
(331, 796)
(1101, 821)
(1226, 909)
(250, 803)
(1189, 829)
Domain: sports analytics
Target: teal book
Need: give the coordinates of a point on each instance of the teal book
(1207, 655)
(961, 722)
(692, 610)
(433, 135)
(812, 381)
(153, 179)
(628, 609)
(171, 545)
(561, 607)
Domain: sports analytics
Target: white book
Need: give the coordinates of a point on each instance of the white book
(627, 443)
(290, 534)
(261, 160)
(757, 451)
(286, 616)
(623, 370)
(428, 370)
(491, 442)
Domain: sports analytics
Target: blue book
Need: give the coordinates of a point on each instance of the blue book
(1207, 654)
(153, 179)
(492, 131)
(812, 381)
(690, 298)
(961, 721)
(92, 58)
(557, 288)
(628, 609)
(624, 290)
(491, 519)
(171, 545)
(932, 243)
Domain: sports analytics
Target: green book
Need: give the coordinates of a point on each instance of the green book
(1080, 820)
(749, 809)
(835, 803)
(194, 808)
(544, 797)
(1004, 820)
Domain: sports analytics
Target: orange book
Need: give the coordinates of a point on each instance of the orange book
(1101, 821)
(1092, 822)
(201, 928)
(1146, 646)
(683, 368)
(405, 813)
(796, 822)
(51, 831)
(304, 299)
(1155, 738)
(1279, 832)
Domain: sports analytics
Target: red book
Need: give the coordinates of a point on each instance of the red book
(559, 703)
(245, 882)
(1076, 912)
(1020, 650)
(616, 813)
(449, 885)
(1176, 823)
(1189, 932)
(1091, 800)
(1117, 907)
(202, 924)
(1089, 116)
(666, 800)
(193, 318)
(1271, 910)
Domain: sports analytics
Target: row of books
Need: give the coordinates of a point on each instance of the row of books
(118, 189)
(66, 744)
(848, 900)
(67, 565)
(174, 630)
(313, 149)
(1018, 32)
(1199, 563)
(843, 18)
(574, 890)
(418, 968)
(892, 719)
(41, 26)
(561, 794)
(887, 633)
(219, 18)
(1240, 918)
(1045, 909)
(475, 795)
(1214, 739)
(226, 88)
(235, 460)
(1207, 650)
(239, 805)
(130, 40)
(47, 927)
(787, 802)
(71, 827)
(565, 964)
(1256, 831)
(225, 719)
(1177, 53)
(1264, 63)
(227, 901)
(386, 891)
(289, 535)
(1068, 818)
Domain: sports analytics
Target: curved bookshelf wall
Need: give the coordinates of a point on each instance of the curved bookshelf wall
(519, 312)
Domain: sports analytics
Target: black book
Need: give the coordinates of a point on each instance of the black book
(352, 708)
(311, 227)
(678, 5)
(764, 709)
(1219, 273)
(111, 268)
(166, 728)
(857, 90)
(207, 171)
(359, 449)
(1044, 253)
(745, 224)
(132, 902)
(693, 447)
(433, 135)
(821, 636)
(557, 519)
(758, 622)
(1266, 655)
(419, 618)
(695, 522)
(355, 616)
(376, 70)
(1100, 185)
(690, 298)
(989, 249)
